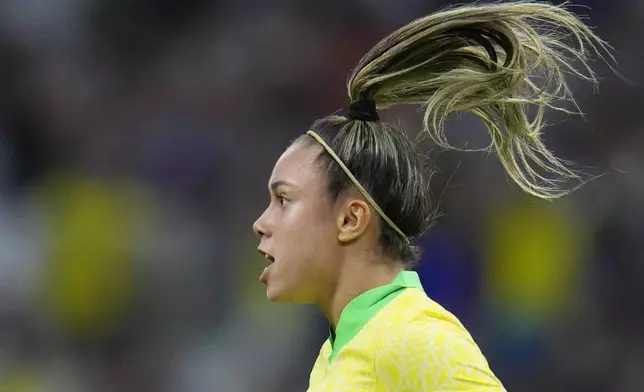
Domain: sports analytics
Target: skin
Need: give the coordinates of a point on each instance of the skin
(326, 253)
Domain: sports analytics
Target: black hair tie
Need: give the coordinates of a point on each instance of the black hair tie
(363, 110)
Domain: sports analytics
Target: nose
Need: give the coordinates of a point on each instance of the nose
(259, 227)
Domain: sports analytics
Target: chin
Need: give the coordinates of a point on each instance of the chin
(280, 295)
(274, 294)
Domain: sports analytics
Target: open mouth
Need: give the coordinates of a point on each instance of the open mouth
(263, 278)
(267, 256)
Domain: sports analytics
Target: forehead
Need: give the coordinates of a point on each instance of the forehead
(297, 166)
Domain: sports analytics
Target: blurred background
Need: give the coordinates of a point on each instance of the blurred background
(136, 141)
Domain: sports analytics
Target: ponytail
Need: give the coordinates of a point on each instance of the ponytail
(495, 61)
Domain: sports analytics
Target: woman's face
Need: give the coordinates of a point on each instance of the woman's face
(298, 230)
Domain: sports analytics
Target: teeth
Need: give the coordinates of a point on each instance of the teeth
(267, 256)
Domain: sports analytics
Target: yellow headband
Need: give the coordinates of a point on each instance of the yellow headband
(358, 185)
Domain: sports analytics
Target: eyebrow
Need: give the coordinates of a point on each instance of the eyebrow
(278, 184)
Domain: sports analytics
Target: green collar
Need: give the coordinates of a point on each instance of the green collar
(362, 308)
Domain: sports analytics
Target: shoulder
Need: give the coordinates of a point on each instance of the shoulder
(324, 353)
(319, 370)
(415, 323)
(429, 348)
(413, 306)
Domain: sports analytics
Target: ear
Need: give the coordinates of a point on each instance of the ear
(353, 220)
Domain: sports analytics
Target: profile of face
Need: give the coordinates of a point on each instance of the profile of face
(298, 230)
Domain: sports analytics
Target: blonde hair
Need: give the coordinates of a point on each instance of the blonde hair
(497, 61)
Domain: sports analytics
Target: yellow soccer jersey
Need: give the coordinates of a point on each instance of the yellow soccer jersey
(394, 338)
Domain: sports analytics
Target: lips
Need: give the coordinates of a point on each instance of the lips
(263, 278)
(267, 256)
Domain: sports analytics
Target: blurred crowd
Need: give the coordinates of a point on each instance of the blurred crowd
(136, 140)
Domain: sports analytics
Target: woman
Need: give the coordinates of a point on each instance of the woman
(349, 197)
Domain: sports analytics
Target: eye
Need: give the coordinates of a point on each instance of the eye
(282, 200)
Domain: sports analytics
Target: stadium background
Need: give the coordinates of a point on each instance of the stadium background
(136, 139)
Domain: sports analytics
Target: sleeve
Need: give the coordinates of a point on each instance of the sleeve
(430, 356)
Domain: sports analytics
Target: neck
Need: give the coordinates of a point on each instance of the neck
(356, 278)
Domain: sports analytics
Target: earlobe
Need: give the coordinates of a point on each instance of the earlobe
(353, 221)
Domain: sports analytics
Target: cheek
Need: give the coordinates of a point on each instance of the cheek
(310, 237)
(305, 220)
(316, 226)
(307, 242)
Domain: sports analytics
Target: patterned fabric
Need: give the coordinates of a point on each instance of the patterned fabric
(412, 344)
(361, 309)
